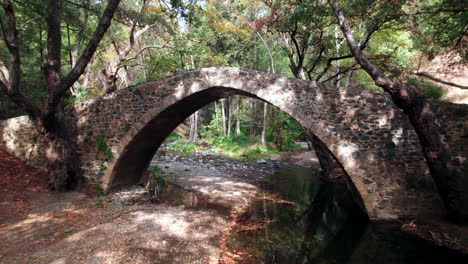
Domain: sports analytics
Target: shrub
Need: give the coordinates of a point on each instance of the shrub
(161, 176)
(173, 136)
(154, 168)
(97, 189)
(101, 143)
(109, 154)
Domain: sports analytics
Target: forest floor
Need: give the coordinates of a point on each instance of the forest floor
(38, 226)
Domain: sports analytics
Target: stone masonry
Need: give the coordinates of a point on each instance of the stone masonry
(118, 134)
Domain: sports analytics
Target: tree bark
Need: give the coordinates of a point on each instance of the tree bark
(449, 179)
(223, 115)
(193, 134)
(265, 123)
(432, 78)
(238, 131)
(229, 114)
(253, 125)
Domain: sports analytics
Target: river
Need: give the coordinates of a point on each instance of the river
(313, 222)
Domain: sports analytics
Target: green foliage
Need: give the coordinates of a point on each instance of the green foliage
(436, 31)
(174, 136)
(154, 168)
(185, 145)
(98, 189)
(284, 130)
(103, 166)
(101, 143)
(98, 202)
(109, 154)
(429, 89)
(254, 150)
(82, 94)
(161, 176)
(126, 127)
(68, 231)
(240, 147)
(214, 129)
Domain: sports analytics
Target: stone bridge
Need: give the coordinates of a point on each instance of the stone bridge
(117, 135)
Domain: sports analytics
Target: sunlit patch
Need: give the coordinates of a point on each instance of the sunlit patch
(345, 151)
(382, 121)
(59, 261)
(397, 136)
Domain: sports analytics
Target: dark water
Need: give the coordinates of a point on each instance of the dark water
(324, 226)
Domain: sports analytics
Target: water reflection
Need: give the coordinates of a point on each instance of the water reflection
(320, 223)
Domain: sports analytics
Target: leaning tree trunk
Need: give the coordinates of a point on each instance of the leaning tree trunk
(449, 179)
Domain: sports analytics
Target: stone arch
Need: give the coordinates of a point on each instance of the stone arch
(365, 132)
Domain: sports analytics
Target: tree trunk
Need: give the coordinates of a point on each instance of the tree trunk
(253, 125)
(229, 114)
(238, 131)
(193, 135)
(337, 47)
(271, 61)
(265, 122)
(62, 158)
(223, 115)
(40, 46)
(108, 81)
(308, 138)
(449, 179)
(348, 78)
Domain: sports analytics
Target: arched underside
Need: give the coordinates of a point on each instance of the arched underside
(137, 155)
(365, 132)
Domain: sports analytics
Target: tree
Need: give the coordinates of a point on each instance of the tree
(62, 159)
(448, 178)
(238, 123)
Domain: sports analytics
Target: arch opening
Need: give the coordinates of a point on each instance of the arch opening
(138, 153)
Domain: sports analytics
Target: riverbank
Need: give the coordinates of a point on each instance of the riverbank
(38, 226)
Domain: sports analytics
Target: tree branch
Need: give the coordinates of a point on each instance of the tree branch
(146, 48)
(361, 47)
(88, 52)
(54, 46)
(352, 68)
(432, 78)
